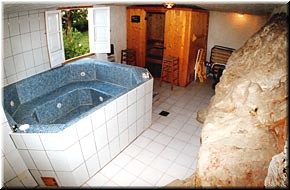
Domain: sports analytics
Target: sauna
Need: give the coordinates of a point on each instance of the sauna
(155, 32)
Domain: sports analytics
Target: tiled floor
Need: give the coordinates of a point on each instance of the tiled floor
(169, 148)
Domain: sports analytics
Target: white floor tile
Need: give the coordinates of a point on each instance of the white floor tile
(165, 105)
(122, 160)
(169, 153)
(97, 180)
(155, 116)
(135, 167)
(155, 147)
(110, 170)
(195, 140)
(176, 124)
(132, 150)
(146, 157)
(183, 136)
(189, 129)
(177, 144)
(175, 108)
(170, 131)
(161, 164)
(111, 184)
(191, 150)
(177, 171)
(123, 178)
(157, 127)
(184, 160)
(165, 180)
(140, 183)
(142, 142)
(163, 139)
(164, 120)
(149, 133)
(151, 175)
(173, 113)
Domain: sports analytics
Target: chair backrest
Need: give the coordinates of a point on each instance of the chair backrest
(219, 57)
(128, 56)
(220, 54)
(111, 55)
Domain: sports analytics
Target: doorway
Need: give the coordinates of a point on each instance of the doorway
(154, 42)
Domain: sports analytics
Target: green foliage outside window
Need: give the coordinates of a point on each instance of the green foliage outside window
(73, 44)
(75, 32)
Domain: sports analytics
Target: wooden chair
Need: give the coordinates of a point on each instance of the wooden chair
(170, 70)
(128, 56)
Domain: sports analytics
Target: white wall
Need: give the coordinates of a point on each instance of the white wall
(24, 43)
(118, 30)
(25, 47)
(230, 30)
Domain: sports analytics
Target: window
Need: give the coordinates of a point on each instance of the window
(54, 38)
(99, 29)
(99, 33)
(75, 32)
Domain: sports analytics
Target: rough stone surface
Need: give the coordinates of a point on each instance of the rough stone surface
(201, 114)
(246, 121)
(278, 171)
(245, 125)
(188, 182)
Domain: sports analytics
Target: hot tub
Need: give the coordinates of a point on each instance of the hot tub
(79, 117)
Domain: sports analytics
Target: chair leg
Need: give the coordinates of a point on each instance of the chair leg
(162, 75)
(172, 76)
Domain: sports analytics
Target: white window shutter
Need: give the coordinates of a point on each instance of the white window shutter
(99, 29)
(54, 37)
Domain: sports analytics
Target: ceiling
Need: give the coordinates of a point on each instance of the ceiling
(246, 7)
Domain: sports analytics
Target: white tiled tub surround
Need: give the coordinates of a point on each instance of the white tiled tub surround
(81, 150)
(15, 172)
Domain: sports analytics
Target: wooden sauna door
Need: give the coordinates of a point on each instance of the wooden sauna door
(199, 28)
(154, 42)
(177, 39)
(136, 33)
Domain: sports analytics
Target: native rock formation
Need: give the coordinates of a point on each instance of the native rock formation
(246, 120)
(278, 170)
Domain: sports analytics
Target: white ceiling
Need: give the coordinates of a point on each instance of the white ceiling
(247, 7)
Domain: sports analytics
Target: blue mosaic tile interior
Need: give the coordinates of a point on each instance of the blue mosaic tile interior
(53, 100)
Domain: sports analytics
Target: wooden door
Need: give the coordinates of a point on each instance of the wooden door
(136, 33)
(177, 39)
(199, 29)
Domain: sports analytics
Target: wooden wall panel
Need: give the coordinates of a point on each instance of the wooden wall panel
(199, 28)
(136, 34)
(177, 39)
